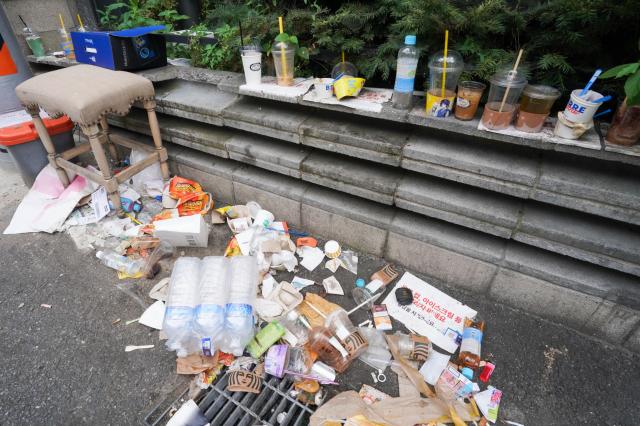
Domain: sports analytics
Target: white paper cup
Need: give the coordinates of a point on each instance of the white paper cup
(252, 63)
(323, 87)
(581, 109)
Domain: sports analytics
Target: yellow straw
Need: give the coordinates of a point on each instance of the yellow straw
(80, 21)
(343, 56)
(66, 36)
(282, 58)
(444, 70)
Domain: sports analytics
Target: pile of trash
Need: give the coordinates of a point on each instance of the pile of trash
(231, 312)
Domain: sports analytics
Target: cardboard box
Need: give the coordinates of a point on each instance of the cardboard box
(125, 50)
(185, 231)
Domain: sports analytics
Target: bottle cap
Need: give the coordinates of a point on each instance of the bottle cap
(360, 282)
(404, 296)
(467, 372)
(410, 40)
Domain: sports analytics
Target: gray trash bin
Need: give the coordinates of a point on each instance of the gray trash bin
(26, 149)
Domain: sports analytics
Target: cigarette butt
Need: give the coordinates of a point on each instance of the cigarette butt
(44, 305)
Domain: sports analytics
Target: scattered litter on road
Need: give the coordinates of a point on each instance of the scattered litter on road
(20, 305)
(130, 348)
(115, 321)
(44, 305)
(131, 321)
(332, 286)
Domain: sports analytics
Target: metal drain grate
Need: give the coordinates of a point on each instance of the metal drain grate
(223, 408)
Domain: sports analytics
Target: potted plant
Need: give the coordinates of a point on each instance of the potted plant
(625, 127)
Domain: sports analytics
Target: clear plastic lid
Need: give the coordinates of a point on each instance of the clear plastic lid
(281, 45)
(509, 78)
(540, 91)
(454, 61)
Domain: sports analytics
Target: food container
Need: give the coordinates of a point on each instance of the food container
(439, 102)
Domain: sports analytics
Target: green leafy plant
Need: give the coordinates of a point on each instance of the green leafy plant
(631, 85)
(140, 13)
(291, 40)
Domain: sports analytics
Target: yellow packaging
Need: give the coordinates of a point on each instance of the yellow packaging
(348, 86)
(438, 106)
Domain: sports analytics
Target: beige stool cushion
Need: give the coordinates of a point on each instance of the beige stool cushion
(84, 92)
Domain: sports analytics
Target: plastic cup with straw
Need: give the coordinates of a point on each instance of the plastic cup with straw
(513, 72)
(284, 69)
(445, 68)
(504, 93)
(81, 28)
(66, 44)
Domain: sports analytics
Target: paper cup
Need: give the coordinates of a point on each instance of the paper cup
(332, 249)
(581, 109)
(323, 87)
(252, 64)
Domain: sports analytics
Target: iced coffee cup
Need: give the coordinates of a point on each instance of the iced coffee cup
(504, 93)
(469, 94)
(535, 106)
(442, 82)
(252, 64)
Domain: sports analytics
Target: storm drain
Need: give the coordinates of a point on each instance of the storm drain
(223, 408)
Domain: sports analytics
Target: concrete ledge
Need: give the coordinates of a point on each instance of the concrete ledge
(266, 118)
(606, 243)
(268, 154)
(351, 176)
(362, 138)
(477, 209)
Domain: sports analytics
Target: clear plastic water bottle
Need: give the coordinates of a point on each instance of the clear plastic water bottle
(181, 301)
(405, 74)
(239, 320)
(213, 296)
(120, 263)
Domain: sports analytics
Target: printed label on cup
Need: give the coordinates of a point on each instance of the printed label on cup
(255, 67)
(462, 103)
(438, 106)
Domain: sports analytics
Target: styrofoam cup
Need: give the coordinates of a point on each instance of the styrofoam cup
(252, 63)
(323, 87)
(581, 109)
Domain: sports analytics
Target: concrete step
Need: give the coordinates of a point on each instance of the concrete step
(589, 298)
(600, 241)
(520, 171)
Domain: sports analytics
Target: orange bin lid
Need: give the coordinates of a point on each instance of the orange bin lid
(26, 132)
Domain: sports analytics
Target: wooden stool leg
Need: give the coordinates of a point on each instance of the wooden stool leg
(93, 133)
(113, 150)
(48, 145)
(150, 106)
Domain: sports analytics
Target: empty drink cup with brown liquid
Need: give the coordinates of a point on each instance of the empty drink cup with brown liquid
(506, 87)
(442, 82)
(469, 94)
(535, 106)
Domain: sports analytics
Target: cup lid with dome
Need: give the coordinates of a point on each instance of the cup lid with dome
(454, 62)
(509, 78)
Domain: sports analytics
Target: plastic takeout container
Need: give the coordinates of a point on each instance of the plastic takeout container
(535, 106)
(496, 115)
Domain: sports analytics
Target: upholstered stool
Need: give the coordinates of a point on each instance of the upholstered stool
(86, 94)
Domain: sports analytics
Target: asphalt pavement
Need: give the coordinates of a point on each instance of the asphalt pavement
(66, 364)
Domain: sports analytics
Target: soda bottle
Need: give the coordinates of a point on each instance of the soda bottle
(471, 343)
(405, 74)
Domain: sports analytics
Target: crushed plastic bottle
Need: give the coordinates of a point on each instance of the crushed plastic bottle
(239, 319)
(181, 302)
(213, 295)
(120, 263)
